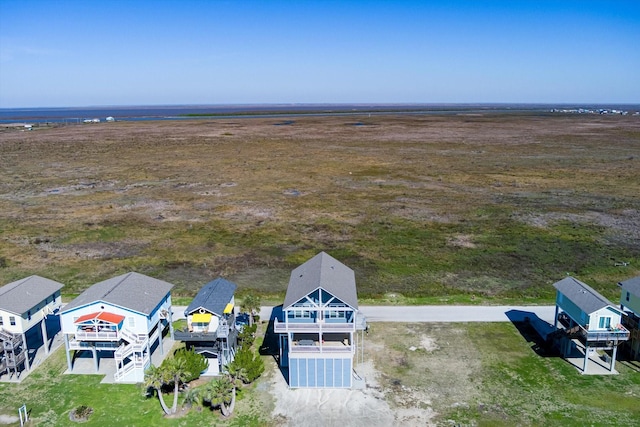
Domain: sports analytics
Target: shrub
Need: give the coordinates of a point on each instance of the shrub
(194, 363)
(252, 364)
(248, 335)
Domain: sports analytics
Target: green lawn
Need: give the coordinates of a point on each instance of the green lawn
(50, 396)
(475, 374)
(489, 374)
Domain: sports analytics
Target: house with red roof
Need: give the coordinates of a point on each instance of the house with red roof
(123, 318)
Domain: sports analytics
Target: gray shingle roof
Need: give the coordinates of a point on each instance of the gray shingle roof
(22, 295)
(322, 271)
(582, 295)
(133, 291)
(632, 285)
(213, 297)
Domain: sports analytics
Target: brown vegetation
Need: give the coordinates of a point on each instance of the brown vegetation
(495, 205)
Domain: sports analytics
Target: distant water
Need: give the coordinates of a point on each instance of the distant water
(191, 112)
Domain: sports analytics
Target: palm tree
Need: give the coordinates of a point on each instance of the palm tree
(236, 376)
(177, 372)
(192, 397)
(155, 377)
(251, 304)
(221, 392)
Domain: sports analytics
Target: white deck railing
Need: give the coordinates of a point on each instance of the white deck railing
(283, 327)
(98, 336)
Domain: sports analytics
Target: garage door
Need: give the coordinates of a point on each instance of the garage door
(320, 373)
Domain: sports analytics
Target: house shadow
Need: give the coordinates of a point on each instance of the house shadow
(535, 331)
(270, 344)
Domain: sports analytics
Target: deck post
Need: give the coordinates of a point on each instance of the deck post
(171, 324)
(586, 358)
(613, 357)
(26, 352)
(95, 357)
(160, 339)
(45, 338)
(66, 351)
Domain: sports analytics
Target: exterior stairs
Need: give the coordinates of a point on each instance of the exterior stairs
(134, 349)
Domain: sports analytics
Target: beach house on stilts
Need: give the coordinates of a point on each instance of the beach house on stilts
(588, 323)
(320, 329)
(123, 318)
(28, 319)
(630, 303)
(211, 329)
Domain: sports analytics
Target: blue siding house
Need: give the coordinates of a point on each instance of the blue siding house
(320, 317)
(630, 303)
(588, 318)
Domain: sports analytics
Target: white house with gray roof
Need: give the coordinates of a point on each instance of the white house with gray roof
(123, 317)
(24, 305)
(589, 317)
(318, 325)
(211, 324)
(630, 303)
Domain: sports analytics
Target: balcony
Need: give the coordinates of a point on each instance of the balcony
(184, 335)
(310, 346)
(91, 334)
(284, 327)
(613, 334)
(74, 344)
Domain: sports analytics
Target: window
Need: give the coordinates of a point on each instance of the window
(1, 321)
(132, 322)
(605, 323)
(627, 296)
(29, 315)
(302, 314)
(12, 320)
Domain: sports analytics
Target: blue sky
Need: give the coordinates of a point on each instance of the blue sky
(65, 53)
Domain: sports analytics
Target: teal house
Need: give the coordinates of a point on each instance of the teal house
(588, 318)
(630, 303)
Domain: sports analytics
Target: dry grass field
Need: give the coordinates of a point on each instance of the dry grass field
(429, 208)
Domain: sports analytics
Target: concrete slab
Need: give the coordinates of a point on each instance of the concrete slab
(36, 356)
(595, 365)
(85, 365)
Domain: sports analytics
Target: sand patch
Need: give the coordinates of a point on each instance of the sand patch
(326, 407)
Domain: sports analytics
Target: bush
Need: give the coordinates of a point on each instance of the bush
(195, 363)
(248, 335)
(252, 364)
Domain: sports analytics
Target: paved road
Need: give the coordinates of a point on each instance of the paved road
(436, 313)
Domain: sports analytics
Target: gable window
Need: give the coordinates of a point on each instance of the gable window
(132, 322)
(627, 295)
(29, 315)
(1, 321)
(12, 320)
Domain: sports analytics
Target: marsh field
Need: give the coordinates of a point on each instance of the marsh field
(425, 208)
